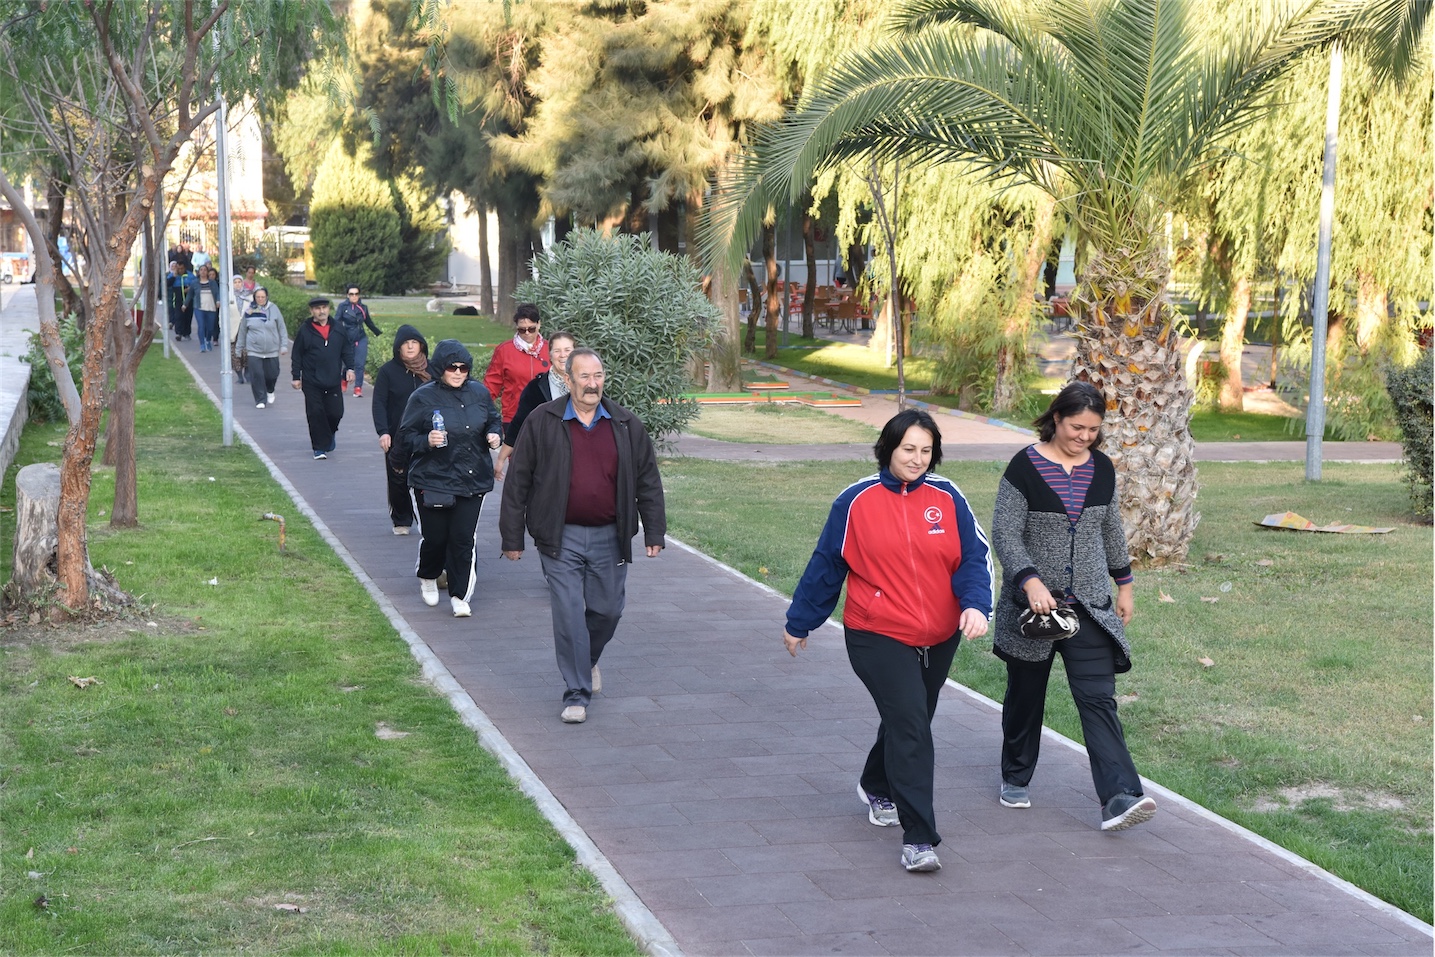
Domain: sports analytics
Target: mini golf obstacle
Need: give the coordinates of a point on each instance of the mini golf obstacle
(773, 390)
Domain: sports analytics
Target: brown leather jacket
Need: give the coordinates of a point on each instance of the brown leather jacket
(535, 491)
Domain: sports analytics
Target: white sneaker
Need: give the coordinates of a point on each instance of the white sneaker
(428, 587)
(597, 680)
(401, 529)
(269, 398)
(574, 714)
(460, 607)
(259, 405)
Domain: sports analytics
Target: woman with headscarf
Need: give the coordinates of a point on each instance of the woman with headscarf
(396, 381)
(448, 428)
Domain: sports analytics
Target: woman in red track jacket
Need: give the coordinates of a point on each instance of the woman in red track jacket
(919, 577)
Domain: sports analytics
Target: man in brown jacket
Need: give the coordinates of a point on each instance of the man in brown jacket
(582, 473)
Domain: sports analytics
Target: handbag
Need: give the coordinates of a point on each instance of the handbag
(437, 499)
(1059, 623)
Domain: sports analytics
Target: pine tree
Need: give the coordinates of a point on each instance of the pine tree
(354, 226)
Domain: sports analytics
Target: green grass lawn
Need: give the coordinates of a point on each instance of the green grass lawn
(229, 761)
(1312, 726)
(777, 422)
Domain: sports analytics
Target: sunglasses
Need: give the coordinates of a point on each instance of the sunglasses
(527, 329)
(457, 367)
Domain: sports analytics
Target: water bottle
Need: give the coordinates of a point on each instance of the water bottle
(438, 427)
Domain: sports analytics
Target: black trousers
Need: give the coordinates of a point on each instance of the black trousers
(396, 473)
(1090, 660)
(323, 408)
(904, 683)
(448, 542)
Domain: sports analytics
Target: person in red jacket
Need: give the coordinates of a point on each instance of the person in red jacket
(918, 572)
(515, 363)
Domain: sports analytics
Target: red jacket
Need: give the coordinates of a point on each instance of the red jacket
(911, 554)
(509, 371)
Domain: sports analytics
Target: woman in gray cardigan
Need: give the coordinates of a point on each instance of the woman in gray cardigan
(1057, 531)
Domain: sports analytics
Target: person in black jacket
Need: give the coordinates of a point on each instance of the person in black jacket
(450, 470)
(395, 382)
(321, 362)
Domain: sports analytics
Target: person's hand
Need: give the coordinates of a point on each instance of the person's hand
(298, 384)
(385, 442)
(973, 624)
(494, 440)
(793, 643)
(284, 351)
(1039, 597)
(500, 464)
(349, 377)
(512, 555)
(437, 438)
(1125, 604)
(653, 550)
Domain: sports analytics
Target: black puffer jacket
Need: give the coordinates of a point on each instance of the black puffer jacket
(464, 466)
(395, 383)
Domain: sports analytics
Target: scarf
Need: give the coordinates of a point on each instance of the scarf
(525, 348)
(556, 384)
(418, 366)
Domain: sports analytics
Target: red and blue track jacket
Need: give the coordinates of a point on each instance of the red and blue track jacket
(913, 557)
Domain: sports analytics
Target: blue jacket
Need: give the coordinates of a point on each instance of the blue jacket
(912, 555)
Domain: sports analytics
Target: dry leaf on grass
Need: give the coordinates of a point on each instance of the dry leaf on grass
(1212, 599)
(291, 908)
(1207, 662)
(1264, 563)
(385, 733)
(1127, 698)
(1166, 597)
(30, 854)
(84, 682)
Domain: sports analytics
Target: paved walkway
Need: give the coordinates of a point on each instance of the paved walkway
(712, 788)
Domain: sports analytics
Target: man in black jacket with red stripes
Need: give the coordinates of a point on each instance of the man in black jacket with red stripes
(321, 362)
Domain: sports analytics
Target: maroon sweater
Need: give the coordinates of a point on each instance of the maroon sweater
(593, 475)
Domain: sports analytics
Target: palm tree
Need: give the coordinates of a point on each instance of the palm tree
(1108, 105)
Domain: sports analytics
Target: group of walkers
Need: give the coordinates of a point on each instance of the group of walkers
(580, 471)
(918, 572)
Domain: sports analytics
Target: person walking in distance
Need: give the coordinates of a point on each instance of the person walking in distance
(516, 362)
(449, 427)
(919, 579)
(582, 473)
(1057, 530)
(262, 339)
(395, 382)
(352, 316)
(207, 296)
(322, 364)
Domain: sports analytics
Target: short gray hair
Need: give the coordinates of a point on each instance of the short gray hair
(580, 351)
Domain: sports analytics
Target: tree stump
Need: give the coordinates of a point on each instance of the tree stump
(37, 507)
(33, 579)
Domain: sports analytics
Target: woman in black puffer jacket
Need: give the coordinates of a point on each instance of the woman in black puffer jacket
(450, 469)
(396, 381)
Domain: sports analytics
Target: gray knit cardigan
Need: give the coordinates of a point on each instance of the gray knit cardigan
(1031, 534)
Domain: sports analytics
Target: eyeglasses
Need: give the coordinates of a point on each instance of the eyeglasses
(527, 329)
(353, 293)
(457, 367)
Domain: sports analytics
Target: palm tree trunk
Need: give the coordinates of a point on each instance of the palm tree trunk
(1127, 348)
(809, 247)
(1233, 341)
(1372, 307)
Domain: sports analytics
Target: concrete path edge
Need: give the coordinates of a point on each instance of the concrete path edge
(639, 921)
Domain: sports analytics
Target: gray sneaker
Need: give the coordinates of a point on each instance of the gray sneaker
(880, 811)
(1127, 810)
(1014, 795)
(920, 857)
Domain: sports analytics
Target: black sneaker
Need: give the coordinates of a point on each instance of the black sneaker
(1127, 810)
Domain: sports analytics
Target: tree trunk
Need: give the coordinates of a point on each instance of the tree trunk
(34, 558)
(1233, 342)
(1016, 327)
(809, 247)
(485, 265)
(55, 190)
(1127, 347)
(776, 297)
(511, 233)
(724, 361)
(1372, 308)
(124, 513)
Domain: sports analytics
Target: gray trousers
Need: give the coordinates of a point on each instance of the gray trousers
(586, 589)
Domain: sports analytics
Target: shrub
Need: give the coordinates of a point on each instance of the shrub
(44, 397)
(354, 227)
(1413, 396)
(292, 302)
(642, 310)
